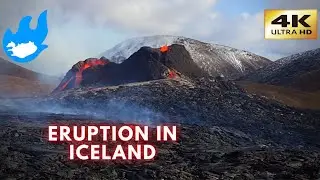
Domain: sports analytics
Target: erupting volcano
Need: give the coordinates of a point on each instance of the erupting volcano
(164, 49)
(89, 63)
(74, 76)
(166, 62)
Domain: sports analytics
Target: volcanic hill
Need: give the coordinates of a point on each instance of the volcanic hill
(146, 64)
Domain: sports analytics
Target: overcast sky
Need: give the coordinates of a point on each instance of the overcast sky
(79, 29)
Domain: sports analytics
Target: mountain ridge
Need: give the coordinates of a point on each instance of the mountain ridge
(17, 81)
(292, 80)
(213, 58)
(299, 71)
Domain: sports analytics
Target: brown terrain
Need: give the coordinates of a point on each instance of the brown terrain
(16, 81)
(308, 81)
(285, 95)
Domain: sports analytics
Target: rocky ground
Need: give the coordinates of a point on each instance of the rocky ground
(202, 153)
(204, 102)
(226, 133)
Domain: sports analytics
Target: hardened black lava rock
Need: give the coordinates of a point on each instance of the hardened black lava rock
(202, 152)
(202, 101)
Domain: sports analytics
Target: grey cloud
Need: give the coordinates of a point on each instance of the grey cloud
(88, 18)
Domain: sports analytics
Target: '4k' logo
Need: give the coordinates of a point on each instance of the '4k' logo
(26, 44)
(291, 24)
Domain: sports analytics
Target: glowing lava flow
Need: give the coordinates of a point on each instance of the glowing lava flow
(171, 74)
(164, 48)
(87, 64)
(80, 67)
(66, 84)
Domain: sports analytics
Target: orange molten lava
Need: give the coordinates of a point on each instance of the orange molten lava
(65, 84)
(164, 48)
(172, 74)
(83, 65)
(87, 64)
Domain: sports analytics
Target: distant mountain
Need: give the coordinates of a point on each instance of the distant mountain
(16, 81)
(11, 69)
(212, 58)
(300, 71)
